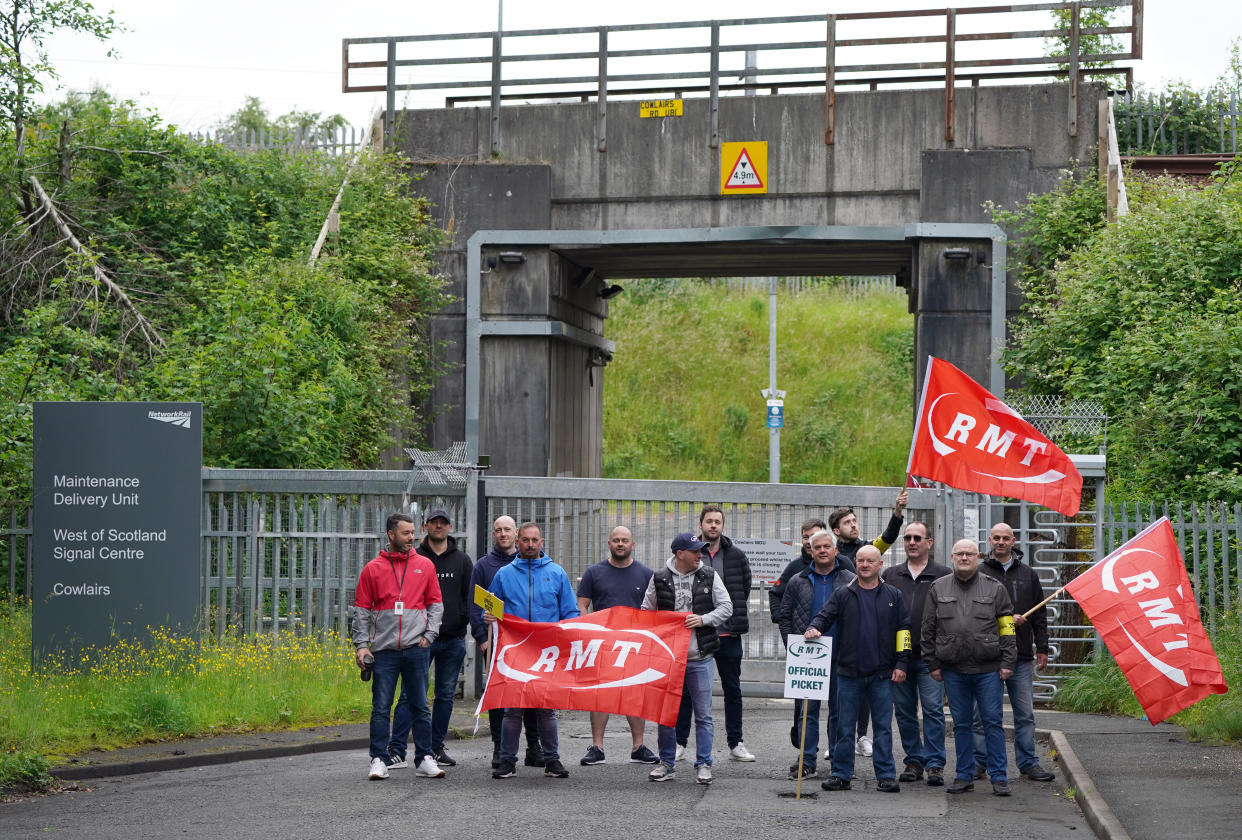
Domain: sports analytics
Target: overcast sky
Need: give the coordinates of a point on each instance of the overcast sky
(195, 62)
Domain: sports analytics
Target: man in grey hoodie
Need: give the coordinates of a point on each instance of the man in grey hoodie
(686, 584)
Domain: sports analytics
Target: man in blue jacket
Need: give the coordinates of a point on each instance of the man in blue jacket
(536, 589)
(504, 549)
(871, 649)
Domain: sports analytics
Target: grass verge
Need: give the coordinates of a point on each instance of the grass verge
(170, 687)
(1102, 687)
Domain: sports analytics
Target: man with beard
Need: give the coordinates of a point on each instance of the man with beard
(393, 623)
(448, 651)
(533, 588)
(504, 535)
(615, 582)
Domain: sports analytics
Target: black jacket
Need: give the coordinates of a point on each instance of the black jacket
(1025, 590)
(796, 567)
(914, 590)
(848, 548)
(795, 615)
(454, 568)
(891, 618)
(736, 578)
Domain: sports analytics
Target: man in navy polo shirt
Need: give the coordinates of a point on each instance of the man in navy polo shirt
(615, 582)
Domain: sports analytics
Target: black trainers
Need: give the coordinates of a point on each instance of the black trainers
(888, 786)
(962, 786)
(642, 755)
(506, 770)
(1000, 788)
(443, 758)
(912, 773)
(594, 755)
(808, 771)
(534, 758)
(835, 783)
(553, 769)
(935, 777)
(396, 761)
(1038, 774)
(981, 772)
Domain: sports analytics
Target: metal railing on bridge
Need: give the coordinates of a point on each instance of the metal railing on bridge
(744, 56)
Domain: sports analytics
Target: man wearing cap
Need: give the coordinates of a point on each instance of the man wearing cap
(687, 584)
(453, 570)
(394, 621)
(730, 564)
(615, 582)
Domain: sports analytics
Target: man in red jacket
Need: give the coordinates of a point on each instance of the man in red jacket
(395, 618)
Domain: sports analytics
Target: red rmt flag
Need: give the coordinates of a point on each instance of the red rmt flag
(1140, 600)
(619, 660)
(970, 440)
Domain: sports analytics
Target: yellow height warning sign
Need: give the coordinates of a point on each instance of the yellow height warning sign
(744, 167)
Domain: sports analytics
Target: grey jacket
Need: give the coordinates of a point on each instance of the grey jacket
(968, 627)
(684, 599)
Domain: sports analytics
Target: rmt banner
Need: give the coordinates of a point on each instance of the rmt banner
(619, 660)
(117, 507)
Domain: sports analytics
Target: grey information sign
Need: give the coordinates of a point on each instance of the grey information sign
(117, 497)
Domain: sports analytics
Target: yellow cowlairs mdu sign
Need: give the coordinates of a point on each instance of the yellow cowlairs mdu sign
(744, 168)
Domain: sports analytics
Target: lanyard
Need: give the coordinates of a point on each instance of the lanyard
(401, 582)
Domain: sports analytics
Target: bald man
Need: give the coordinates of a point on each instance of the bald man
(1004, 563)
(968, 643)
(615, 582)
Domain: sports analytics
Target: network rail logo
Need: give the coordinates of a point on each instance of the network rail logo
(175, 418)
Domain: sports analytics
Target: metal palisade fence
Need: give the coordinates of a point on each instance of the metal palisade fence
(342, 140)
(1178, 123)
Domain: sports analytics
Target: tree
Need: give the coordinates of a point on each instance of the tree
(25, 26)
(1088, 44)
(252, 118)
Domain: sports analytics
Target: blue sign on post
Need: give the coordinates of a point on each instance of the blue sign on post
(776, 414)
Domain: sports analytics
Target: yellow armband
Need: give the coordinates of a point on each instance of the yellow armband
(903, 640)
(1004, 626)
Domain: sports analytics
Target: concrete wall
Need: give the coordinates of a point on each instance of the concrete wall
(890, 165)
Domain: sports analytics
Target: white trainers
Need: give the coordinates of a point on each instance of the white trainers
(428, 769)
(828, 753)
(704, 774)
(681, 753)
(379, 770)
(863, 746)
(662, 773)
(738, 753)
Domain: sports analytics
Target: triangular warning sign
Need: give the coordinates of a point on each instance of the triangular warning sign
(744, 176)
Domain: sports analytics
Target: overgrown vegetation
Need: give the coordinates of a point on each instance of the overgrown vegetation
(1143, 316)
(296, 366)
(171, 687)
(1218, 717)
(682, 397)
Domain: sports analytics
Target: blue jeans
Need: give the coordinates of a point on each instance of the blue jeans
(411, 666)
(810, 750)
(874, 691)
(1021, 690)
(729, 663)
(447, 656)
(698, 688)
(965, 692)
(511, 733)
(923, 743)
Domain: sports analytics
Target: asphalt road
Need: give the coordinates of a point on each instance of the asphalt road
(327, 795)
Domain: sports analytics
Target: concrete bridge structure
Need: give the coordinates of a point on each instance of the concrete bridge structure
(539, 231)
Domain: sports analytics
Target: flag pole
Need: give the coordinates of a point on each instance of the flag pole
(1042, 603)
